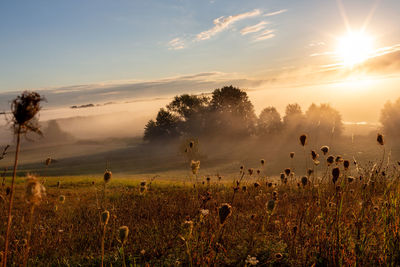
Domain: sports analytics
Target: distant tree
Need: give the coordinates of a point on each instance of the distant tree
(166, 125)
(269, 121)
(324, 120)
(390, 118)
(232, 111)
(293, 121)
(53, 133)
(192, 110)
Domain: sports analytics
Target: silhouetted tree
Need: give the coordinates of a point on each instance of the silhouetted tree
(324, 120)
(269, 122)
(293, 120)
(192, 111)
(166, 125)
(390, 118)
(232, 112)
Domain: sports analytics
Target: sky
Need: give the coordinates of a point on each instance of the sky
(280, 51)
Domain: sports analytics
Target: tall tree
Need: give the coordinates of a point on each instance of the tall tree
(269, 121)
(232, 111)
(390, 118)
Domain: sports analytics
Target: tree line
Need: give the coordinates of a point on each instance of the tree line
(228, 113)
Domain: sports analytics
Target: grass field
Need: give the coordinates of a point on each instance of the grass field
(271, 222)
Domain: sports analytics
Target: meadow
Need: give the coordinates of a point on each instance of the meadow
(345, 215)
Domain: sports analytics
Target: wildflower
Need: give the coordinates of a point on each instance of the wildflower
(107, 176)
(303, 139)
(123, 232)
(143, 183)
(48, 161)
(262, 162)
(291, 154)
(35, 191)
(208, 179)
(282, 176)
(250, 171)
(244, 188)
(251, 260)
(195, 166)
(224, 212)
(335, 174)
(380, 140)
(256, 185)
(325, 150)
(258, 172)
(310, 171)
(350, 179)
(287, 171)
(105, 216)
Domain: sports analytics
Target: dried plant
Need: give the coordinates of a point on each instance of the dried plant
(24, 109)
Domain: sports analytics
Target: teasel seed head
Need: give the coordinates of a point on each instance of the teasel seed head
(107, 176)
(105, 216)
(123, 232)
(379, 139)
(303, 139)
(224, 212)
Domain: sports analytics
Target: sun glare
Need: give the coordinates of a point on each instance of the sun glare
(354, 48)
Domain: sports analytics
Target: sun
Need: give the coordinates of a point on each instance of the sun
(354, 48)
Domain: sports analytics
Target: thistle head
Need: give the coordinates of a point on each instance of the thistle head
(304, 180)
(123, 232)
(195, 166)
(325, 150)
(105, 216)
(61, 198)
(303, 139)
(330, 160)
(379, 139)
(346, 164)
(107, 176)
(35, 191)
(291, 154)
(335, 174)
(287, 171)
(224, 212)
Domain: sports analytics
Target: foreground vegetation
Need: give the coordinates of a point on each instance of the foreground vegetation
(266, 222)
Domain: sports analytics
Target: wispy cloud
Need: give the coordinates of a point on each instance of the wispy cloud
(254, 28)
(275, 13)
(265, 35)
(222, 23)
(176, 44)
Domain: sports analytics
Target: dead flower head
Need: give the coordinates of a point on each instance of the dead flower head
(24, 109)
(224, 211)
(35, 191)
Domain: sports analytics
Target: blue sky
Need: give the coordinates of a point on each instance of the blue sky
(60, 43)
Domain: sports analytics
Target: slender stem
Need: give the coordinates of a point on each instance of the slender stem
(123, 256)
(102, 245)
(28, 239)
(9, 218)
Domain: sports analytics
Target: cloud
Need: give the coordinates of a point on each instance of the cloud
(176, 44)
(275, 13)
(254, 28)
(265, 35)
(222, 23)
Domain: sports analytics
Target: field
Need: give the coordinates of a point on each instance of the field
(292, 221)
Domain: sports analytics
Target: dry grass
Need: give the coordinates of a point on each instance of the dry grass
(282, 225)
